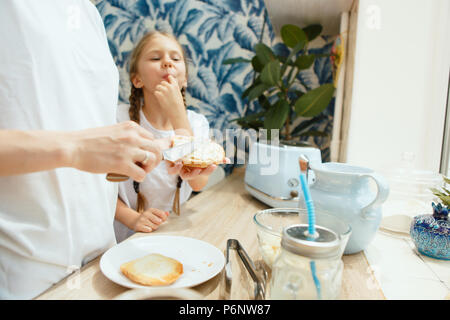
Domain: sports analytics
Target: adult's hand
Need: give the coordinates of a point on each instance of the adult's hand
(119, 148)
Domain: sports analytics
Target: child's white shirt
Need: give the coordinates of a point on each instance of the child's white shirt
(158, 186)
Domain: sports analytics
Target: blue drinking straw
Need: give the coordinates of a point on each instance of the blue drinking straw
(309, 206)
(311, 221)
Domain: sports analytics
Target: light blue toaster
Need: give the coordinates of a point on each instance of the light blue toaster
(272, 173)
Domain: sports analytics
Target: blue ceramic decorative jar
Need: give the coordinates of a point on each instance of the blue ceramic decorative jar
(431, 233)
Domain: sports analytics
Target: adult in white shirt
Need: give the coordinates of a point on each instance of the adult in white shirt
(58, 138)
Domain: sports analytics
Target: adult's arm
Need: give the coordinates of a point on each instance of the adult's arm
(116, 148)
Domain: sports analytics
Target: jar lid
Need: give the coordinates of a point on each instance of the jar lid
(296, 239)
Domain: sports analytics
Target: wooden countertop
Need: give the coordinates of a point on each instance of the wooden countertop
(220, 213)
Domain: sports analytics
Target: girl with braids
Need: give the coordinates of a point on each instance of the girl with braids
(158, 76)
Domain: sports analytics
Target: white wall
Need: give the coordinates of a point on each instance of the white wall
(305, 12)
(400, 83)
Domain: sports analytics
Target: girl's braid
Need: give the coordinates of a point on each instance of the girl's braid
(135, 104)
(134, 112)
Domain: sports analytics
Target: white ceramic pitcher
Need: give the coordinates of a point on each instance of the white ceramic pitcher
(343, 191)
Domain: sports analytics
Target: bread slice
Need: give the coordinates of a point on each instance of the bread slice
(206, 152)
(153, 270)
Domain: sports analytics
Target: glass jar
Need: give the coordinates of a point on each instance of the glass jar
(307, 268)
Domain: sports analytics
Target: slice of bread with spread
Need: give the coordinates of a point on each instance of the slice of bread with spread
(206, 152)
(153, 270)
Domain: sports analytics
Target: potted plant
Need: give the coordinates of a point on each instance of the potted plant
(431, 232)
(272, 171)
(282, 95)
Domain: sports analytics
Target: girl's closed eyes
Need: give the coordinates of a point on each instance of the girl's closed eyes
(176, 59)
(159, 56)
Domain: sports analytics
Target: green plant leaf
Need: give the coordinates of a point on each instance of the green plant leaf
(270, 75)
(264, 102)
(437, 193)
(434, 190)
(250, 117)
(247, 91)
(236, 60)
(277, 115)
(312, 31)
(288, 60)
(251, 121)
(256, 64)
(446, 200)
(250, 88)
(447, 180)
(293, 35)
(315, 101)
(305, 61)
(256, 125)
(264, 53)
(282, 59)
(257, 91)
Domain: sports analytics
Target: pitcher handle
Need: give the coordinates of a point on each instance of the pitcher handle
(382, 195)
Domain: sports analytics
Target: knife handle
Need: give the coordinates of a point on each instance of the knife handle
(115, 177)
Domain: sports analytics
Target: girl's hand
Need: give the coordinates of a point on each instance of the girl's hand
(169, 96)
(150, 220)
(189, 173)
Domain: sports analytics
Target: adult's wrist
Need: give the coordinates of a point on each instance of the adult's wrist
(67, 149)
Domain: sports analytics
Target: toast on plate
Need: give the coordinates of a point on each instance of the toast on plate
(153, 270)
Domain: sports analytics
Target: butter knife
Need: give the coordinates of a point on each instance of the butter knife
(171, 154)
(178, 152)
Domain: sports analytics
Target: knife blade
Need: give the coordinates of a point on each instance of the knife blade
(178, 152)
(171, 154)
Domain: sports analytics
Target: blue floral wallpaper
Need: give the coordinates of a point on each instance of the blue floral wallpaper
(210, 31)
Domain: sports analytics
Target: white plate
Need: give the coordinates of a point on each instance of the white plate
(201, 260)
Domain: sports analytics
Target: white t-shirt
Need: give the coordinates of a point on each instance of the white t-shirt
(158, 186)
(56, 73)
